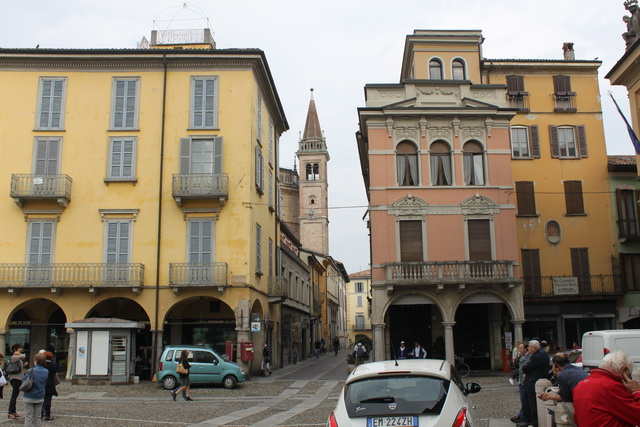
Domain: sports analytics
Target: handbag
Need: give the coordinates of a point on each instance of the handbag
(3, 379)
(181, 369)
(28, 383)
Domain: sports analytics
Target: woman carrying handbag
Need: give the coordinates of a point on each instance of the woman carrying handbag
(183, 370)
(34, 395)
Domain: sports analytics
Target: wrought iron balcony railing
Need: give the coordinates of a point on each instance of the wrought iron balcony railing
(74, 275)
(278, 286)
(570, 287)
(441, 272)
(519, 101)
(41, 187)
(198, 274)
(200, 186)
(565, 102)
(628, 229)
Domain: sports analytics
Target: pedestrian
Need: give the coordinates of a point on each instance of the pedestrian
(609, 396)
(3, 377)
(15, 369)
(418, 351)
(185, 383)
(522, 359)
(568, 377)
(322, 347)
(403, 351)
(50, 387)
(535, 368)
(266, 360)
(34, 397)
(336, 345)
(359, 352)
(317, 349)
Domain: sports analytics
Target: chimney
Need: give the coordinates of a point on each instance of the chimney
(567, 50)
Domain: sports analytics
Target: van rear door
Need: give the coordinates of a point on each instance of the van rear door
(592, 349)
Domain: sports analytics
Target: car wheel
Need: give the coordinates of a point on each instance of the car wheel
(169, 382)
(229, 382)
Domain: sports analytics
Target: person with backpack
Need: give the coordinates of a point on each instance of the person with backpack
(359, 351)
(14, 369)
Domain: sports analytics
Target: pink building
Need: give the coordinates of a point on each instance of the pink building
(435, 157)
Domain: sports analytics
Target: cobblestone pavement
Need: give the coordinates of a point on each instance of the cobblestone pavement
(279, 400)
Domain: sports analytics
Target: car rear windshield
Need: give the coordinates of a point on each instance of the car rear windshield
(396, 395)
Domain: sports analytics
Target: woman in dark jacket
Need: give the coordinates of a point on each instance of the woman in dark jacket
(50, 386)
(185, 384)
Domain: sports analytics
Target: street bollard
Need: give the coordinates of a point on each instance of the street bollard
(544, 418)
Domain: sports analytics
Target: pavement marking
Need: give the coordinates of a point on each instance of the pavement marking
(120, 419)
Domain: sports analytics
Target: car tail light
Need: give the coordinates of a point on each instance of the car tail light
(160, 366)
(606, 351)
(461, 418)
(332, 421)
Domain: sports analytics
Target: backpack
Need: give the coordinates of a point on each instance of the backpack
(14, 367)
(360, 351)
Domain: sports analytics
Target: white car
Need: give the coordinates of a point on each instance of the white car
(407, 393)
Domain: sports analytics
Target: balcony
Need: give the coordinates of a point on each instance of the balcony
(441, 273)
(565, 102)
(587, 287)
(278, 289)
(200, 186)
(56, 277)
(360, 327)
(197, 274)
(41, 187)
(519, 100)
(628, 229)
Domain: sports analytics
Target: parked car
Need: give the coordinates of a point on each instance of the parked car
(408, 393)
(573, 354)
(207, 367)
(597, 344)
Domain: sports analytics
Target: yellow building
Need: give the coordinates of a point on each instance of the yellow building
(143, 186)
(559, 163)
(358, 296)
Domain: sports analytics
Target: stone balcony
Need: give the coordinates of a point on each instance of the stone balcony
(198, 274)
(41, 187)
(200, 186)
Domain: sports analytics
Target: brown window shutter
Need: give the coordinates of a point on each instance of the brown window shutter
(573, 197)
(515, 84)
(561, 85)
(621, 212)
(582, 140)
(553, 138)
(525, 198)
(636, 200)
(535, 141)
(410, 241)
(580, 268)
(479, 239)
(531, 270)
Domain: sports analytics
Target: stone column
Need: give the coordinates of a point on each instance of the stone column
(517, 326)
(156, 342)
(496, 349)
(379, 344)
(71, 355)
(449, 349)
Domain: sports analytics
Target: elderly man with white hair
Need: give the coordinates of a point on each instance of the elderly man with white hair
(535, 368)
(609, 396)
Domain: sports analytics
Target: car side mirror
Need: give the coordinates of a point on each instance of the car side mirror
(472, 388)
(215, 361)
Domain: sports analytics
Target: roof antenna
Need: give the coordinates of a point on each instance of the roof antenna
(395, 356)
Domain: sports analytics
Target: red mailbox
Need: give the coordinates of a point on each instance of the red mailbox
(228, 350)
(246, 351)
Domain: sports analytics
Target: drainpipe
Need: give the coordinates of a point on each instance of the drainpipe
(156, 329)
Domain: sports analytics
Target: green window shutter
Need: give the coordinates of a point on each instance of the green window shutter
(535, 141)
(47, 156)
(198, 101)
(122, 152)
(185, 155)
(130, 110)
(118, 242)
(41, 242)
(217, 155)
(553, 138)
(118, 114)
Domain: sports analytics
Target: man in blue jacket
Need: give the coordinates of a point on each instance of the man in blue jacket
(535, 368)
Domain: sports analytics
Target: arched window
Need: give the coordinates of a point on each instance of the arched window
(473, 163)
(407, 163)
(309, 172)
(440, 163)
(457, 70)
(435, 70)
(316, 171)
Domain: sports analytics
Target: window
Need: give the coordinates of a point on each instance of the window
(627, 213)
(524, 142)
(118, 242)
(259, 118)
(565, 144)
(473, 163)
(204, 103)
(122, 153)
(479, 234)
(40, 255)
(259, 170)
(124, 107)
(457, 70)
(200, 242)
(563, 96)
(410, 241)
(531, 271)
(440, 163)
(359, 321)
(407, 163)
(270, 142)
(47, 153)
(359, 301)
(50, 113)
(580, 268)
(271, 191)
(435, 70)
(201, 156)
(270, 256)
(631, 271)
(518, 97)
(359, 287)
(258, 249)
(313, 171)
(573, 197)
(526, 199)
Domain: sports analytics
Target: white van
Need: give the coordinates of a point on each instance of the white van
(596, 344)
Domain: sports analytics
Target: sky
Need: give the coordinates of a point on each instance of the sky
(336, 48)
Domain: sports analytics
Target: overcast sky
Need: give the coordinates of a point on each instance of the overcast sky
(337, 47)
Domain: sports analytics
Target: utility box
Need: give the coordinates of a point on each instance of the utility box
(246, 351)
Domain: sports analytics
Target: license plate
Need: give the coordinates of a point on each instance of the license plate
(407, 421)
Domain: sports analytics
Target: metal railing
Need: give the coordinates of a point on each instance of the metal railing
(40, 186)
(628, 229)
(71, 275)
(593, 285)
(198, 274)
(564, 102)
(200, 185)
(278, 286)
(451, 271)
(519, 101)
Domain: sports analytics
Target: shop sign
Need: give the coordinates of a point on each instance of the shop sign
(565, 286)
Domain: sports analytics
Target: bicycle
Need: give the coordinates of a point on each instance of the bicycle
(462, 368)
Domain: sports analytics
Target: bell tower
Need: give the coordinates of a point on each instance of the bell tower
(313, 158)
